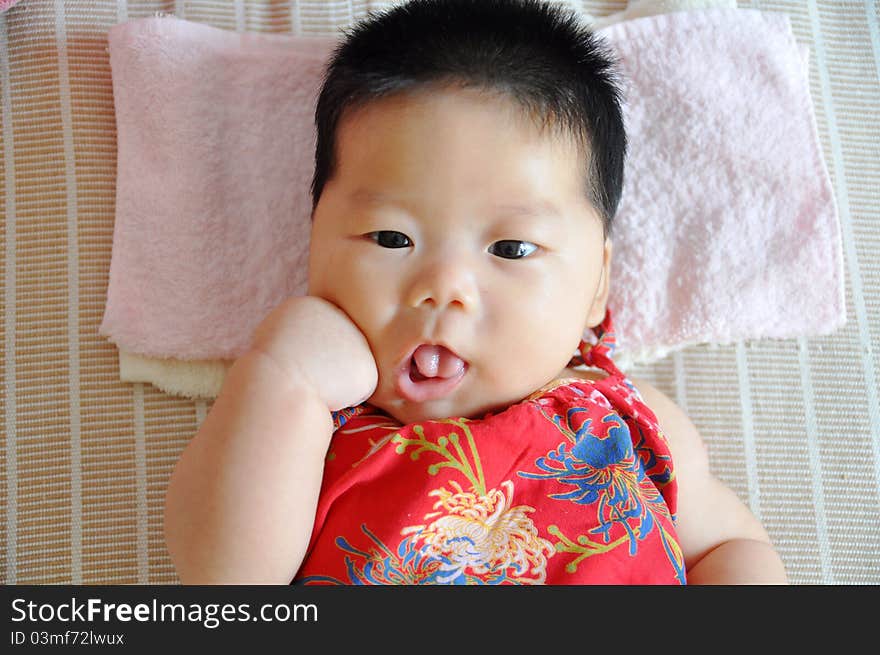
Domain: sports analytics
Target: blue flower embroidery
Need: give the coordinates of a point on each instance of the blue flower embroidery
(601, 470)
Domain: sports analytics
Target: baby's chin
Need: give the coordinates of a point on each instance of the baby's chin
(406, 412)
(471, 400)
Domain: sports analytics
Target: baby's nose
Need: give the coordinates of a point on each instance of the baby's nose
(444, 283)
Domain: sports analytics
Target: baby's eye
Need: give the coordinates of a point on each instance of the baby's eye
(390, 239)
(512, 249)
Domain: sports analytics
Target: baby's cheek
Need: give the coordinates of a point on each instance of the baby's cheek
(325, 268)
(550, 328)
(336, 271)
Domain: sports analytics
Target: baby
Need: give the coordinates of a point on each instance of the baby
(419, 417)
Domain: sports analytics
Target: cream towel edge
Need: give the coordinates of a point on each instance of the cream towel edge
(196, 379)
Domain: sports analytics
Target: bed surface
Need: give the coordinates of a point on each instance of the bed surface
(792, 426)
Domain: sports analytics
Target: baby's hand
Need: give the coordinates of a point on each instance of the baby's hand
(312, 338)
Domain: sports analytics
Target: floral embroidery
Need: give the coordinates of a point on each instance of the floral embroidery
(484, 535)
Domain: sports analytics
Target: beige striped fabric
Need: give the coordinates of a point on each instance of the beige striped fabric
(792, 426)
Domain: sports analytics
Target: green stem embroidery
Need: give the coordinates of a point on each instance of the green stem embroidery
(585, 546)
(462, 423)
(458, 461)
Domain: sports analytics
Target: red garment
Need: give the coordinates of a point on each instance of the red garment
(573, 485)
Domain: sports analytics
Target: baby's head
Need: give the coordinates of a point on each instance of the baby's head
(469, 164)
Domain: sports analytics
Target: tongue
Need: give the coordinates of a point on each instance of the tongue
(437, 361)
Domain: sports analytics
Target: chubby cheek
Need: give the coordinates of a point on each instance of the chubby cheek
(364, 294)
(540, 361)
(545, 325)
(323, 262)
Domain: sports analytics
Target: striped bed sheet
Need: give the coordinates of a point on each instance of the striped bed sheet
(792, 426)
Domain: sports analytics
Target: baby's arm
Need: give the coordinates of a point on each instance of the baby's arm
(723, 542)
(241, 501)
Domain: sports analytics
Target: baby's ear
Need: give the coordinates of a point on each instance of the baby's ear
(597, 309)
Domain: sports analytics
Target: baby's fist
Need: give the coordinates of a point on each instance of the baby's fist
(313, 339)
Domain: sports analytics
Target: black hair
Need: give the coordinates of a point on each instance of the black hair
(538, 55)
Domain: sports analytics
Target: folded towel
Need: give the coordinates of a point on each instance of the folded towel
(727, 227)
(215, 155)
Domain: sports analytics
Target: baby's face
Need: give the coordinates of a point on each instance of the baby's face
(451, 221)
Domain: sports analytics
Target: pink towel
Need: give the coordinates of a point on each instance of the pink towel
(215, 156)
(727, 228)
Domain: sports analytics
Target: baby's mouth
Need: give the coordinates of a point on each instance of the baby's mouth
(429, 361)
(431, 372)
